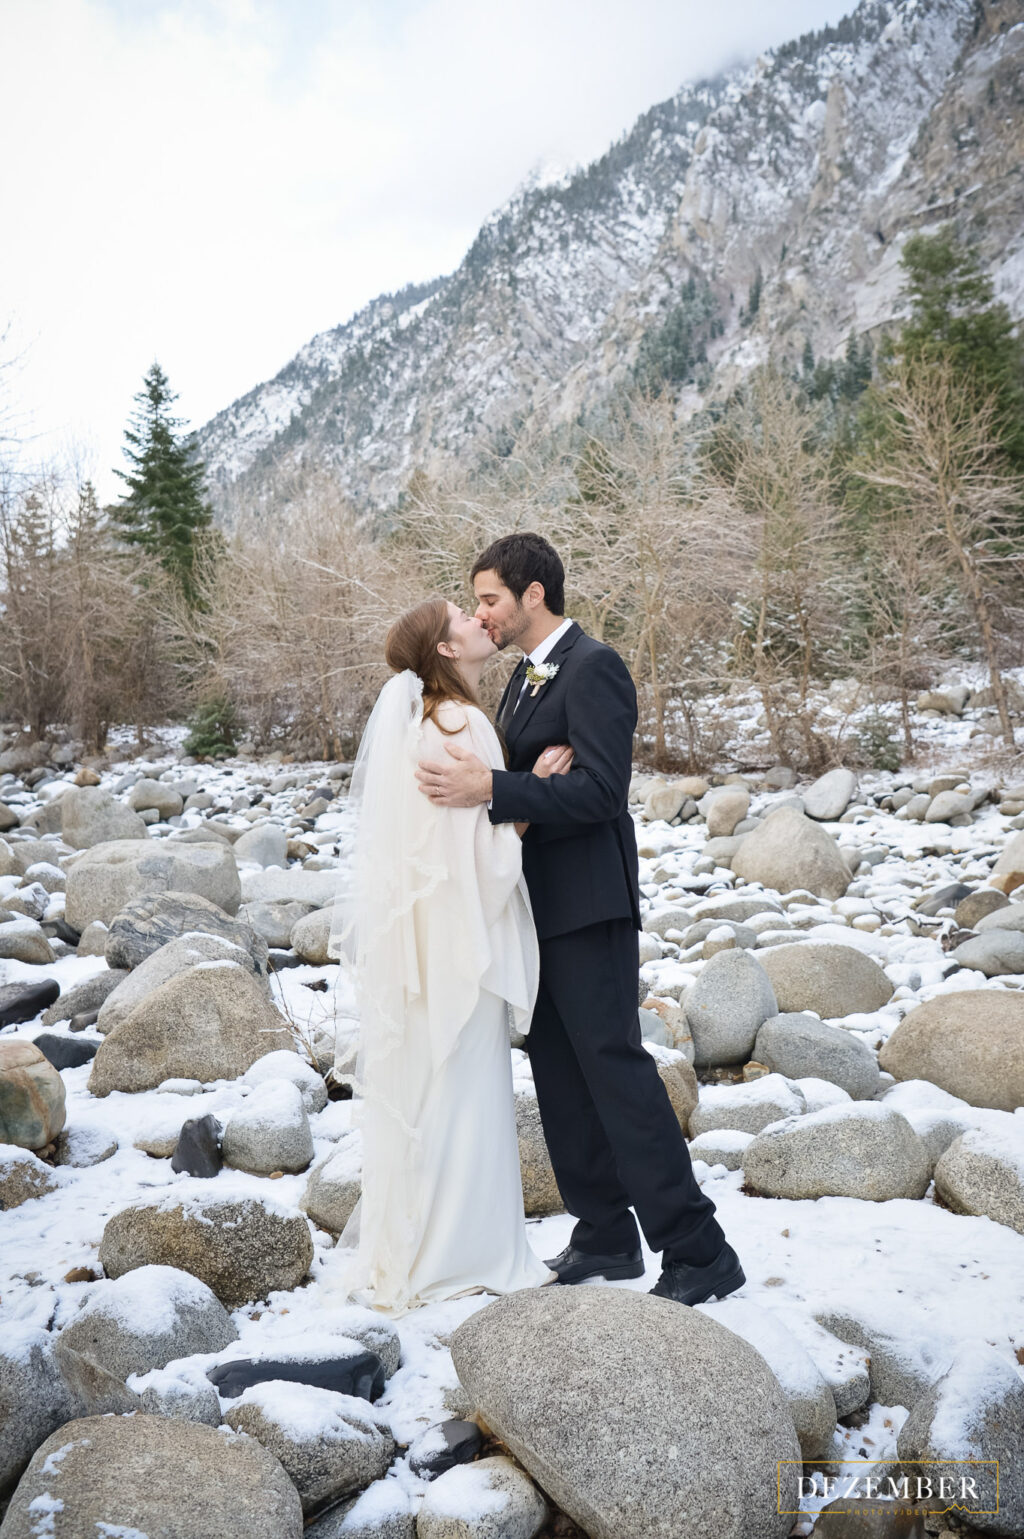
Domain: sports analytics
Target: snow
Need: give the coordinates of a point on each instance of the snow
(978, 1381)
(150, 1298)
(306, 1414)
(466, 1492)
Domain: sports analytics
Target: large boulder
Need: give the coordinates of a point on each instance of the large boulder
(726, 1006)
(858, 1149)
(148, 923)
(801, 1046)
(33, 1399)
(831, 980)
(969, 1043)
(975, 1412)
(103, 879)
(146, 1318)
(330, 1444)
(31, 1096)
(89, 816)
(830, 795)
(658, 1424)
(209, 1023)
(170, 961)
(242, 1248)
(155, 796)
(789, 851)
(982, 1172)
(152, 1475)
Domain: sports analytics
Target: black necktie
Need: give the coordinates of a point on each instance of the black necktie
(515, 685)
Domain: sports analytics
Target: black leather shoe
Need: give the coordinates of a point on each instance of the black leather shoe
(693, 1284)
(574, 1266)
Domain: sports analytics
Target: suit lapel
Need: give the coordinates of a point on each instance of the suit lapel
(510, 693)
(516, 723)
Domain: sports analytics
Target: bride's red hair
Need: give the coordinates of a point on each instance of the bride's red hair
(412, 642)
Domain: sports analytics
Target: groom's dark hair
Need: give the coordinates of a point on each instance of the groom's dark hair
(519, 560)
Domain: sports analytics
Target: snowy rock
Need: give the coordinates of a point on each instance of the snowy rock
(995, 953)
(156, 795)
(723, 808)
(1011, 861)
(676, 1074)
(265, 843)
(724, 1146)
(725, 1007)
(746, 1108)
(382, 1511)
(182, 1392)
(22, 1177)
(241, 1248)
(32, 1109)
(289, 1066)
(843, 1367)
(540, 1189)
(89, 816)
(863, 1149)
(818, 1093)
(443, 1446)
(830, 795)
(789, 851)
(948, 805)
(661, 920)
(808, 1396)
(967, 1042)
(22, 940)
(176, 957)
(129, 1476)
(332, 1191)
(146, 1318)
(597, 1439)
(975, 1411)
(950, 701)
(310, 936)
(800, 1045)
(270, 1131)
(663, 802)
(491, 1499)
(103, 879)
(977, 906)
(275, 921)
(290, 886)
(738, 910)
(1009, 918)
(831, 980)
(33, 1399)
(212, 1022)
(149, 923)
(982, 1172)
(197, 1150)
(84, 997)
(82, 1145)
(329, 1444)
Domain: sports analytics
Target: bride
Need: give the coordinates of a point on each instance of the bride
(437, 930)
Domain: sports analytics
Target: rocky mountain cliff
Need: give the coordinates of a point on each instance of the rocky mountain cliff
(766, 208)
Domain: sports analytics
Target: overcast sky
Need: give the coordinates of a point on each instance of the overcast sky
(211, 182)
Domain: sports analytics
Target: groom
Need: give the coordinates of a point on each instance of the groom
(614, 1140)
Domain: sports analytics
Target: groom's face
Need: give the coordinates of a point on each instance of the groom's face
(503, 615)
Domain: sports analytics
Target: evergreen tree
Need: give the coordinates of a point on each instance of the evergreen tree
(954, 318)
(164, 509)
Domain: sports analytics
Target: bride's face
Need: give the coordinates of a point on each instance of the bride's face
(467, 638)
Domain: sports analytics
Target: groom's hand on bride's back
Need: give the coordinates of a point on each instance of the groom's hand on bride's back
(464, 781)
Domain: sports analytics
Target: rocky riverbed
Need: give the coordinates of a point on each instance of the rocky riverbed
(832, 983)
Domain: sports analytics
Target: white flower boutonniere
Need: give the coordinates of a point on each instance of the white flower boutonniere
(538, 674)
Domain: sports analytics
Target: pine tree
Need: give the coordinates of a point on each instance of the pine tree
(164, 510)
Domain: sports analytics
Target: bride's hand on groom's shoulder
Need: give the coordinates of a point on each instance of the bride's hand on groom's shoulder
(556, 760)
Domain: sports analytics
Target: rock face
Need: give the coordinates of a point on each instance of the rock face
(329, 1444)
(861, 1149)
(177, 956)
(725, 1007)
(975, 1411)
(209, 1023)
(242, 1249)
(831, 980)
(106, 877)
(830, 795)
(968, 1042)
(491, 1499)
(149, 923)
(789, 851)
(801, 1046)
(31, 1096)
(89, 816)
(135, 1475)
(595, 1438)
(982, 1172)
(146, 1318)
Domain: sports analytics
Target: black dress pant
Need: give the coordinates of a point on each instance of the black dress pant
(614, 1140)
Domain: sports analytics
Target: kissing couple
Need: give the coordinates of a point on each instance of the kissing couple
(491, 885)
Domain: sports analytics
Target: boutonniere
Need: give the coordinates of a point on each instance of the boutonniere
(538, 674)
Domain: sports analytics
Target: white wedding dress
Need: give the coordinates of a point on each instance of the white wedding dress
(440, 936)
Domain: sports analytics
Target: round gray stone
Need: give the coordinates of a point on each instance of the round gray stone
(858, 1149)
(725, 1007)
(146, 1318)
(801, 1046)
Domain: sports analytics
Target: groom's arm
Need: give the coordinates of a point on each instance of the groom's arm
(600, 710)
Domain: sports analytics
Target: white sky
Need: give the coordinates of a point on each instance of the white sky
(211, 182)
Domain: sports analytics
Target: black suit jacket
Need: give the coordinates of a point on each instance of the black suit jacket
(579, 853)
